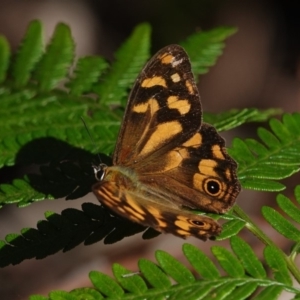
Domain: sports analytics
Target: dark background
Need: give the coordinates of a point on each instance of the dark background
(259, 68)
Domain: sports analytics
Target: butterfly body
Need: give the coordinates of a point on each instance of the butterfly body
(167, 162)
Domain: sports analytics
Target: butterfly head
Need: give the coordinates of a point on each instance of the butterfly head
(100, 171)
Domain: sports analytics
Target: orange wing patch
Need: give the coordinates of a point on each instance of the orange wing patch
(190, 87)
(183, 106)
(166, 58)
(142, 107)
(163, 131)
(150, 82)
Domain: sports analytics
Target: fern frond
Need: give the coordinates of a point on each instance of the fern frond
(236, 117)
(69, 173)
(64, 232)
(243, 279)
(54, 64)
(231, 228)
(130, 58)
(106, 284)
(41, 110)
(87, 73)
(4, 58)
(26, 113)
(247, 258)
(28, 54)
(20, 191)
(273, 255)
(275, 158)
(277, 263)
(135, 284)
(282, 224)
(205, 47)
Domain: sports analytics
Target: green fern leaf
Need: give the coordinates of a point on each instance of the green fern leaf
(288, 207)
(243, 292)
(271, 292)
(106, 285)
(105, 125)
(228, 262)
(86, 294)
(200, 262)
(154, 275)
(276, 158)
(247, 257)
(87, 72)
(205, 47)
(129, 281)
(61, 295)
(279, 223)
(38, 297)
(236, 117)
(174, 268)
(130, 59)
(237, 286)
(70, 178)
(64, 232)
(54, 64)
(21, 192)
(223, 292)
(4, 58)
(297, 193)
(43, 121)
(231, 228)
(204, 291)
(28, 54)
(277, 263)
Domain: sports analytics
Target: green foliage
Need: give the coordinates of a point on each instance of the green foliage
(28, 55)
(4, 58)
(281, 224)
(244, 276)
(130, 58)
(43, 95)
(204, 48)
(276, 157)
(64, 232)
(54, 64)
(235, 117)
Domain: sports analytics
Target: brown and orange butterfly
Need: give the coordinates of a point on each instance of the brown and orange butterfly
(167, 162)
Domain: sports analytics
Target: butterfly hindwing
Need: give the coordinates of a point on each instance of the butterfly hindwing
(199, 174)
(150, 208)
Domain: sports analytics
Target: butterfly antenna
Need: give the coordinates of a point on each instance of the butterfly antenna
(93, 141)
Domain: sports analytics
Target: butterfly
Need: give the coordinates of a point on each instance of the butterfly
(167, 162)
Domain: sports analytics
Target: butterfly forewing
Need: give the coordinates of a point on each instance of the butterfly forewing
(167, 162)
(163, 109)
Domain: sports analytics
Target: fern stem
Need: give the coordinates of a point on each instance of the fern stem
(295, 250)
(266, 240)
(252, 227)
